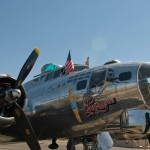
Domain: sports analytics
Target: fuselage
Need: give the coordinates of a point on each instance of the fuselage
(85, 101)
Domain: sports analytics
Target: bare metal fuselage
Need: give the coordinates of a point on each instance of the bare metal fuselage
(98, 100)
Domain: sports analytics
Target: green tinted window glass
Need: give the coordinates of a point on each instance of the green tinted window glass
(51, 67)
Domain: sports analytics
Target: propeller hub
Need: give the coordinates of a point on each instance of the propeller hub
(12, 94)
(16, 93)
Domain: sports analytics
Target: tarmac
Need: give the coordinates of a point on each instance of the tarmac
(44, 145)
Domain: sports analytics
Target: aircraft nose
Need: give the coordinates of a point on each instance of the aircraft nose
(144, 82)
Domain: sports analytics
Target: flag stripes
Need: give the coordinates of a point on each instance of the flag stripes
(69, 66)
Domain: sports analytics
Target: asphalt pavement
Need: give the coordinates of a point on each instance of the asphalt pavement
(44, 145)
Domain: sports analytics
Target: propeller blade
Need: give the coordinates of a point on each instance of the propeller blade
(25, 127)
(27, 67)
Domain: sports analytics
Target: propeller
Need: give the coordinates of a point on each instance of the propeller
(27, 67)
(11, 97)
(25, 127)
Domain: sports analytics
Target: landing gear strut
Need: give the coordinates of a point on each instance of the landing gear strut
(85, 144)
(54, 145)
(70, 144)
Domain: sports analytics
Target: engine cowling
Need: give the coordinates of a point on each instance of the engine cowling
(8, 82)
(136, 120)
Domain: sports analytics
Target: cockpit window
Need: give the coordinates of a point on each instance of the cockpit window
(49, 67)
(58, 73)
(49, 76)
(97, 78)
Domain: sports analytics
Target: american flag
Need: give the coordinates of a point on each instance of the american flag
(69, 66)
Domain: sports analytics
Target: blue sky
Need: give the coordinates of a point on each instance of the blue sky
(100, 29)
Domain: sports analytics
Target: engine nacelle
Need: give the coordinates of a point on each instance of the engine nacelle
(7, 82)
(136, 120)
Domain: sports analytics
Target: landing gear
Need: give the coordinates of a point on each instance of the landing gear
(70, 144)
(54, 145)
(85, 144)
(86, 141)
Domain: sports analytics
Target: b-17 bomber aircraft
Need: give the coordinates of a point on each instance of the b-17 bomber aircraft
(76, 102)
